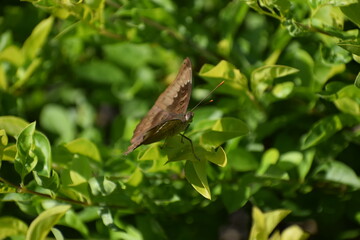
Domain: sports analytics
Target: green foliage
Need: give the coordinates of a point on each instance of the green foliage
(281, 135)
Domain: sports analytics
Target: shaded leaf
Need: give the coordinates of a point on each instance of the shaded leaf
(223, 130)
(325, 128)
(338, 172)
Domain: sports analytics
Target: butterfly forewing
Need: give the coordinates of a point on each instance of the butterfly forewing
(167, 116)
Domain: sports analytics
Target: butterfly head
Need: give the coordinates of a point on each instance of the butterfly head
(189, 116)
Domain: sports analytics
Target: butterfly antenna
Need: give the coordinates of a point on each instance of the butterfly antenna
(207, 96)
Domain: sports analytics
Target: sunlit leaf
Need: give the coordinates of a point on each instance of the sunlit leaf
(262, 78)
(348, 100)
(294, 232)
(195, 173)
(26, 159)
(35, 42)
(224, 71)
(42, 225)
(12, 125)
(270, 157)
(84, 147)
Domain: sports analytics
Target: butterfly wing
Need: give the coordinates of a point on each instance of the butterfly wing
(172, 102)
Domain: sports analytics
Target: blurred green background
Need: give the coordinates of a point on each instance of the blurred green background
(287, 118)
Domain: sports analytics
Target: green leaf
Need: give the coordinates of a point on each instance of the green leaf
(338, 172)
(12, 125)
(9, 153)
(3, 143)
(224, 71)
(26, 159)
(11, 226)
(218, 157)
(283, 90)
(57, 119)
(23, 76)
(3, 79)
(352, 12)
(101, 186)
(5, 188)
(158, 14)
(242, 160)
(135, 178)
(270, 157)
(348, 100)
(351, 45)
(290, 160)
(84, 147)
(76, 178)
(137, 55)
(73, 220)
(237, 195)
(108, 219)
(150, 227)
(42, 225)
(306, 164)
(195, 173)
(51, 182)
(357, 81)
(325, 128)
(101, 72)
(43, 152)
(57, 234)
(35, 42)
(222, 130)
(262, 78)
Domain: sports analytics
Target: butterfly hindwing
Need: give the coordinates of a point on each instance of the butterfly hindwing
(167, 116)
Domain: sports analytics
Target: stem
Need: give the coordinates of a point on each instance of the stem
(22, 189)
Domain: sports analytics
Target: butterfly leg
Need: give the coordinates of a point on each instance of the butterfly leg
(191, 143)
(183, 135)
(164, 144)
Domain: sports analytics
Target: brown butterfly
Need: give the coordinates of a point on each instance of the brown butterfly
(169, 115)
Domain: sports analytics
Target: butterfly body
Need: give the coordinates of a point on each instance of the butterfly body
(167, 129)
(169, 114)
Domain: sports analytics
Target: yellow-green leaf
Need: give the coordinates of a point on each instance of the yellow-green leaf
(195, 173)
(36, 40)
(42, 225)
(10, 226)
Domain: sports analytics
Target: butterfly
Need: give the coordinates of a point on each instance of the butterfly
(169, 115)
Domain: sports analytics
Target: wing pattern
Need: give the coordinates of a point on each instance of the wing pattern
(170, 105)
